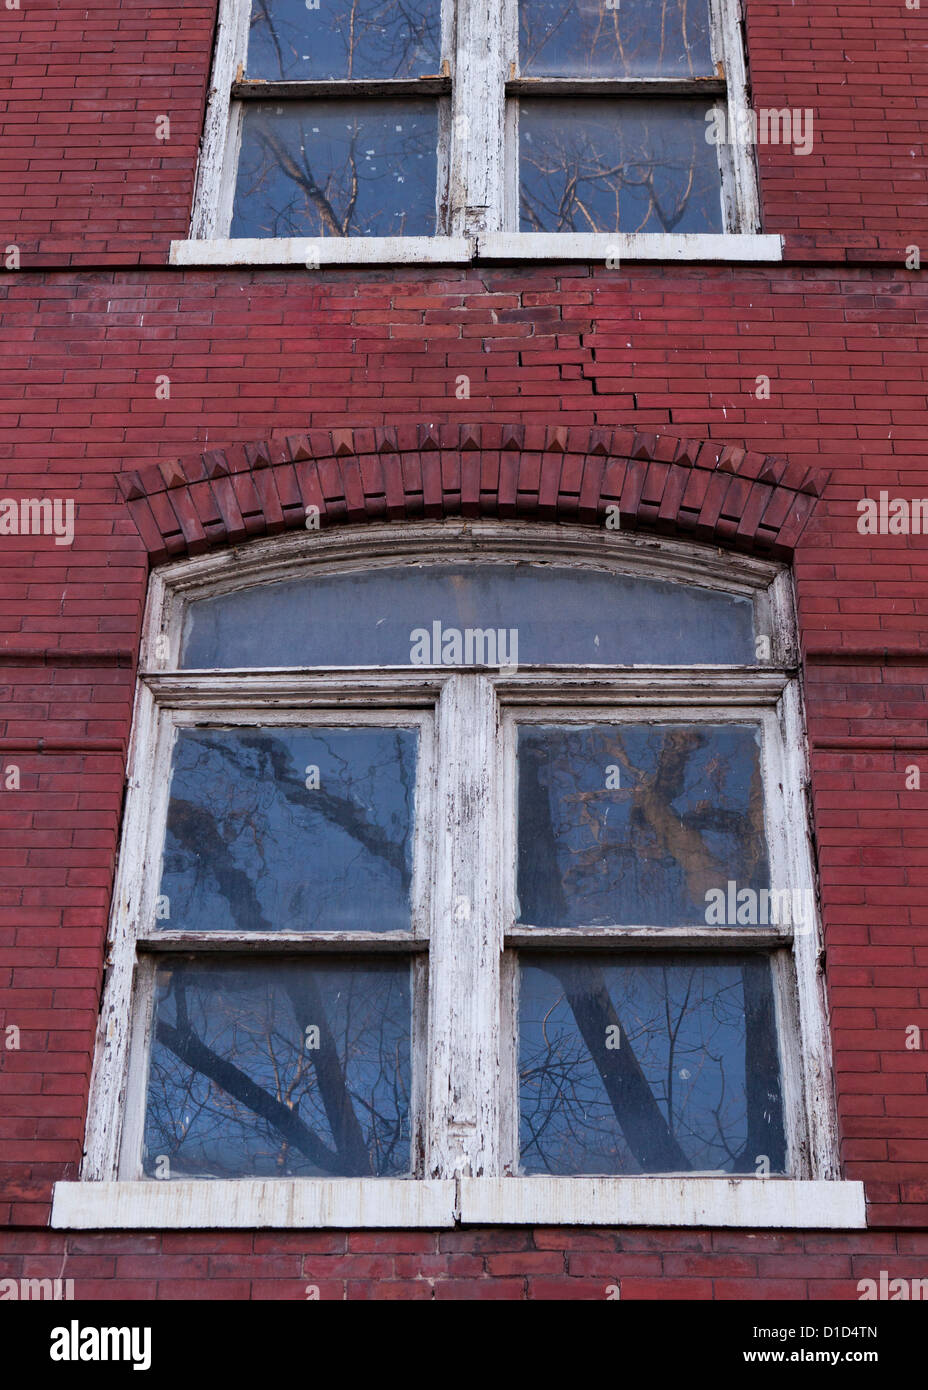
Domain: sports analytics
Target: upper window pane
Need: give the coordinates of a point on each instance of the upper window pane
(289, 830)
(334, 39)
(606, 166)
(633, 825)
(614, 38)
(337, 168)
(501, 614)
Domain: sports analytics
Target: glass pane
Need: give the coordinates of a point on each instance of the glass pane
(294, 41)
(614, 38)
(289, 830)
(640, 825)
(607, 166)
(631, 1065)
(284, 1070)
(423, 614)
(337, 168)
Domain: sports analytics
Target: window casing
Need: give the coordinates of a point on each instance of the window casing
(466, 944)
(442, 147)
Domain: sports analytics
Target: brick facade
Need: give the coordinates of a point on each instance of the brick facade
(339, 387)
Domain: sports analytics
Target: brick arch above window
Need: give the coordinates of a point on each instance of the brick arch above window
(679, 487)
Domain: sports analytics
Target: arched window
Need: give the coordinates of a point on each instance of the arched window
(465, 875)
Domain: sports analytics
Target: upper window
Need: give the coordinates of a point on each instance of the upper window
(473, 852)
(464, 127)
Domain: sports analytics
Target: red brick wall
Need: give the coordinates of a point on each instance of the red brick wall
(562, 1263)
(273, 353)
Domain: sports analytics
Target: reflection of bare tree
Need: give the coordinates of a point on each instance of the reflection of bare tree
(233, 1088)
(242, 822)
(633, 169)
(659, 854)
(337, 168)
(343, 39)
(263, 1102)
(564, 1080)
(692, 1082)
(584, 38)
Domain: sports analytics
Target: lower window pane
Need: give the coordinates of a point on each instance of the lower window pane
(606, 166)
(633, 1065)
(279, 1070)
(342, 169)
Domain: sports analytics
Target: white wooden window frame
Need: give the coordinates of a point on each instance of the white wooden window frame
(464, 941)
(478, 92)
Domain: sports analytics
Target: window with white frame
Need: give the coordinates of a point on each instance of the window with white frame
(465, 852)
(446, 128)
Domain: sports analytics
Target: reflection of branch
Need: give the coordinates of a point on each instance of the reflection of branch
(646, 1131)
(338, 810)
(188, 1047)
(305, 181)
(308, 1008)
(245, 908)
(637, 1112)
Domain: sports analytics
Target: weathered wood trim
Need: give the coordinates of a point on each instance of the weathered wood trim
(737, 164)
(379, 1203)
(348, 87)
(814, 1041)
(750, 1203)
(213, 169)
(615, 86)
(722, 247)
(266, 560)
(527, 938)
(466, 936)
(246, 1203)
(311, 252)
(281, 943)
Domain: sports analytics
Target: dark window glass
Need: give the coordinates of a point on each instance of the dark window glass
(625, 38)
(289, 830)
(284, 1070)
(634, 825)
(631, 1065)
(337, 39)
(605, 166)
(338, 168)
(558, 615)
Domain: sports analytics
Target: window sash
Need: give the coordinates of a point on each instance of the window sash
(477, 184)
(464, 994)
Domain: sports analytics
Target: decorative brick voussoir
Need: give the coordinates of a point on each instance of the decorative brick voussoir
(695, 488)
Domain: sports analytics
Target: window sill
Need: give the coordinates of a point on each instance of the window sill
(746, 1203)
(316, 252)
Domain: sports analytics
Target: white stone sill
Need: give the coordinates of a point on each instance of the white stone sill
(318, 252)
(380, 1203)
